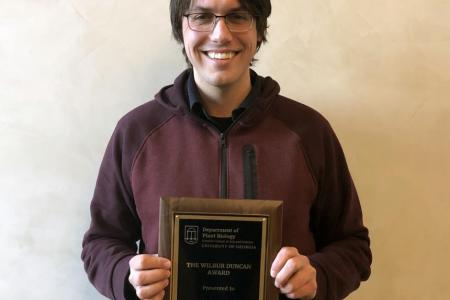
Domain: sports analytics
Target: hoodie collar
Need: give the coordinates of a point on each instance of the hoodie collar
(193, 95)
(175, 97)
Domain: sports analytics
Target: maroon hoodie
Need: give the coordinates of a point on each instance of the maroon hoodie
(277, 149)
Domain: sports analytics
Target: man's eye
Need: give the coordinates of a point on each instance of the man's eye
(201, 17)
(238, 17)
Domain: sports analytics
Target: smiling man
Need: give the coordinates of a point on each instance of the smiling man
(221, 130)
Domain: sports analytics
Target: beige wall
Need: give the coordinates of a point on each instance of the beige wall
(378, 70)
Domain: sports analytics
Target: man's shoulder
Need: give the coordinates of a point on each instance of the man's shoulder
(144, 117)
(169, 101)
(315, 133)
(142, 112)
(299, 117)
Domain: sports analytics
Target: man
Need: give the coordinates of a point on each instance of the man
(223, 131)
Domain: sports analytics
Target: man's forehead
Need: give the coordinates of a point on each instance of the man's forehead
(215, 4)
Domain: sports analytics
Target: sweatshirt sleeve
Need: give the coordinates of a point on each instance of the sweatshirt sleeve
(343, 256)
(110, 241)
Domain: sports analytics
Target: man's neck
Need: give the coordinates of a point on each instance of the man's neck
(221, 101)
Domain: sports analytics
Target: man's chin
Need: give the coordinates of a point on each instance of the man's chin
(220, 81)
(217, 79)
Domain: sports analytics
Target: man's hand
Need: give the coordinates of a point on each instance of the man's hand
(294, 275)
(149, 275)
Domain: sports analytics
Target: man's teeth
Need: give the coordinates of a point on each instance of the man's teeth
(221, 55)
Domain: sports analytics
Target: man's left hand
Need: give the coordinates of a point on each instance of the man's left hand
(294, 275)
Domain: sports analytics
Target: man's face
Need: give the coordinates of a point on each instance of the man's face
(220, 58)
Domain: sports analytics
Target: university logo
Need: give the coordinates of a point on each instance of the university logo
(191, 234)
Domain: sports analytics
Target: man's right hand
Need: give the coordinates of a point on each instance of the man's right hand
(149, 275)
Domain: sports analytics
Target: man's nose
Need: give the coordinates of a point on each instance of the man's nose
(220, 31)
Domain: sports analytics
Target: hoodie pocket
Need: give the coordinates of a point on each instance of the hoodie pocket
(250, 174)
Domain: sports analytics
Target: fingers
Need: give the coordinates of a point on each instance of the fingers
(296, 269)
(147, 261)
(149, 275)
(153, 291)
(301, 285)
(294, 275)
(160, 296)
(280, 260)
(307, 292)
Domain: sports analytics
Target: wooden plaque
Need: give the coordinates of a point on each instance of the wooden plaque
(220, 248)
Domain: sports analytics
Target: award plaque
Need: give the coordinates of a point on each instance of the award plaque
(220, 248)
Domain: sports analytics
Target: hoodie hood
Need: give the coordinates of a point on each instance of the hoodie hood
(174, 97)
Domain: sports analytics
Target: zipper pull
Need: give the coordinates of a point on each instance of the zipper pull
(223, 140)
(223, 167)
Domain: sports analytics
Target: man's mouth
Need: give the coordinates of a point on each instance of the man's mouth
(221, 55)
